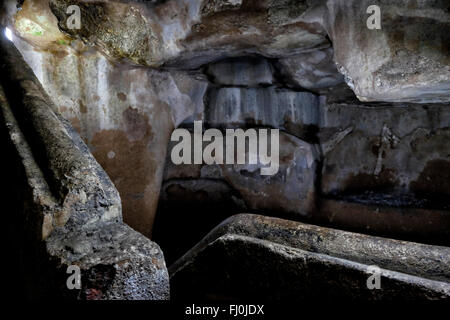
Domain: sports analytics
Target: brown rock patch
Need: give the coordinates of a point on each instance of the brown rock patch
(434, 179)
(121, 96)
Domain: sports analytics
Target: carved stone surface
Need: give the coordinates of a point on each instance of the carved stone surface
(398, 148)
(364, 122)
(405, 61)
(197, 32)
(299, 261)
(291, 190)
(65, 209)
(295, 112)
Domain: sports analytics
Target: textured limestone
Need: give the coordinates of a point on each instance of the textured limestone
(243, 71)
(313, 70)
(406, 61)
(299, 261)
(125, 116)
(117, 263)
(385, 166)
(317, 72)
(85, 199)
(36, 23)
(118, 111)
(401, 149)
(66, 209)
(196, 32)
(290, 191)
(295, 112)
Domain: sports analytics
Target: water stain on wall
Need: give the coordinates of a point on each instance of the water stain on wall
(126, 155)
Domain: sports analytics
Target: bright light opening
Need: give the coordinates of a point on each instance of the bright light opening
(9, 34)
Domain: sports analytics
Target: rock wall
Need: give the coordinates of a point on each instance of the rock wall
(125, 116)
(397, 148)
(253, 71)
(404, 61)
(299, 261)
(62, 208)
(363, 114)
(367, 157)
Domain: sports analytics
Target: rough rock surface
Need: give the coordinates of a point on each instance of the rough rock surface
(64, 209)
(299, 261)
(201, 196)
(84, 199)
(385, 218)
(290, 191)
(407, 60)
(136, 70)
(242, 71)
(196, 32)
(313, 70)
(116, 261)
(398, 63)
(401, 149)
(36, 23)
(120, 112)
(295, 112)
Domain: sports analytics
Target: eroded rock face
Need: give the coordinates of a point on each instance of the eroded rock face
(290, 191)
(243, 71)
(301, 261)
(399, 63)
(132, 267)
(386, 149)
(195, 32)
(296, 112)
(64, 209)
(38, 25)
(125, 115)
(406, 61)
(313, 70)
(200, 197)
(380, 168)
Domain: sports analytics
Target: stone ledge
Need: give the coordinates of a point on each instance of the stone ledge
(69, 212)
(413, 265)
(238, 267)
